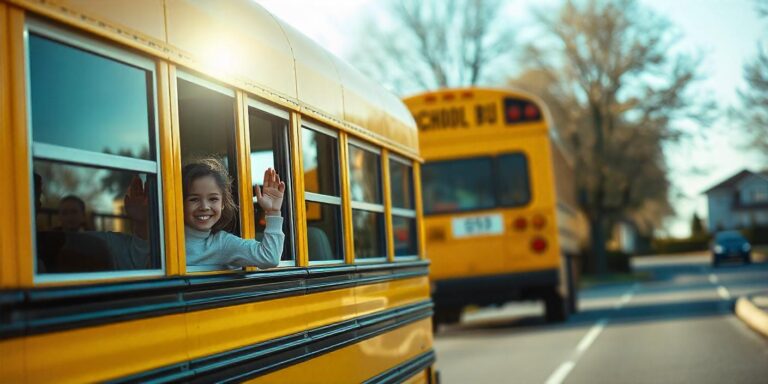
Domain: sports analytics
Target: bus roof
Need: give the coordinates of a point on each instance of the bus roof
(467, 94)
(239, 43)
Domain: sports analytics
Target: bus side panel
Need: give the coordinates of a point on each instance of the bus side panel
(378, 297)
(100, 353)
(359, 362)
(12, 369)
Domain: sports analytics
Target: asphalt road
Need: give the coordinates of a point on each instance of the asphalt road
(677, 326)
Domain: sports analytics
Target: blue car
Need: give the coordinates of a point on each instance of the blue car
(730, 245)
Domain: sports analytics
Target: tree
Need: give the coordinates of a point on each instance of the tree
(606, 70)
(754, 99)
(697, 226)
(427, 44)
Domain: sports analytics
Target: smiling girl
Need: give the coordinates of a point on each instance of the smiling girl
(209, 208)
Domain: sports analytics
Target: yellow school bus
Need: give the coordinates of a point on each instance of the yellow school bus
(95, 94)
(499, 203)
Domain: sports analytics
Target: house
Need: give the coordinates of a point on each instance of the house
(741, 201)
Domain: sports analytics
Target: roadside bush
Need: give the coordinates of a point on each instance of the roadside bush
(691, 244)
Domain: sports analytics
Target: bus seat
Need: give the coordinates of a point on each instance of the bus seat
(318, 245)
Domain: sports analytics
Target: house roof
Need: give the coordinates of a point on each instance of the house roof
(735, 179)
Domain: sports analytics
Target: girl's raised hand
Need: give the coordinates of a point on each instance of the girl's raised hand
(270, 196)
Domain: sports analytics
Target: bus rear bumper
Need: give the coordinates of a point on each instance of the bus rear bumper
(494, 289)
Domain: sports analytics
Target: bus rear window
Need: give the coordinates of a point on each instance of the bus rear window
(476, 184)
(458, 185)
(513, 188)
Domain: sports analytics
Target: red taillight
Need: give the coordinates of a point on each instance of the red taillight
(513, 113)
(531, 112)
(466, 95)
(430, 98)
(448, 97)
(538, 244)
(539, 221)
(520, 223)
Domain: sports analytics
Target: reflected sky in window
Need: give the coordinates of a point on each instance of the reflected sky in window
(85, 101)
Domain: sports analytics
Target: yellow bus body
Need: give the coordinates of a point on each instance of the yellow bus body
(346, 321)
(499, 265)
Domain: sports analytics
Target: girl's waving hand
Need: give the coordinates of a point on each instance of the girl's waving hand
(270, 196)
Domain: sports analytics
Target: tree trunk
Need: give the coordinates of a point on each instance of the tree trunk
(597, 233)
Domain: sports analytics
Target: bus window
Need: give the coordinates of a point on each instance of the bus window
(93, 133)
(513, 184)
(207, 127)
(403, 211)
(321, 184)
(269, 149)
(367, 204)
(458, 185)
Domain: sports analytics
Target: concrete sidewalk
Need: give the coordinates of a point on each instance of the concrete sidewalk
(753, 310)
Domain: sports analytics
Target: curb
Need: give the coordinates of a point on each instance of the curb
(755, 317)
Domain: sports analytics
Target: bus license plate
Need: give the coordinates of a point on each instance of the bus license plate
(477, 226)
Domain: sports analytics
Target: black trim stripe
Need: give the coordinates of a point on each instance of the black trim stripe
(403, 371)
(43, 310)
(262, 358)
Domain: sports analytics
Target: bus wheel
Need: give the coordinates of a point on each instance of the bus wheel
(555, 307)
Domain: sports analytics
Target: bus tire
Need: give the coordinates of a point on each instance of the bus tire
(555, 307)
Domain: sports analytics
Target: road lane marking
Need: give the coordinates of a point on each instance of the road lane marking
(565, 368)
(713, 278)
(723, 292)
(562, 371)
(625, 298)
(590, 337)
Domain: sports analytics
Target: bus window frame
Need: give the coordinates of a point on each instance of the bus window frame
(404, 212)
(61, 154)
(367, 206)
(288, 201)
(314, 197)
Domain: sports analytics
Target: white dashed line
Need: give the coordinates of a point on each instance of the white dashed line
(723, 292)
(565, 368)
(590, 337)
(562, 371)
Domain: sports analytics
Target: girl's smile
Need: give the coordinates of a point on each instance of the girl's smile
(202, 206)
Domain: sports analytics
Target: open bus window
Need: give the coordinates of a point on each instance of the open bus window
(367, 205)
(207, 130)
(269, 149)
(93, 132)
(403, 211)
(321, 183)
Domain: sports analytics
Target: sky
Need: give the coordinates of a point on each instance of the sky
(725, 32)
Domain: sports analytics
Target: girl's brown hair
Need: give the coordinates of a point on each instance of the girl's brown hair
(212, 167)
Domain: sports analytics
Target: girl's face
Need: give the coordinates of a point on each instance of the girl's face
(202, 206)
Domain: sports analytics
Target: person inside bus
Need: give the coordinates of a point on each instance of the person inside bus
(72, 216)
(209, 208)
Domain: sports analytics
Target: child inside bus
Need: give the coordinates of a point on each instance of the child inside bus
(209, 208)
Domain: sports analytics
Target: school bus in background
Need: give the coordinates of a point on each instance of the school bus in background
(95, 93)
(500, 213)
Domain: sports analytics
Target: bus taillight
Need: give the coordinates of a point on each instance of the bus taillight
(520, 224)
(539, 221)
(449, 97)
(538, 244)
(430, 98)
